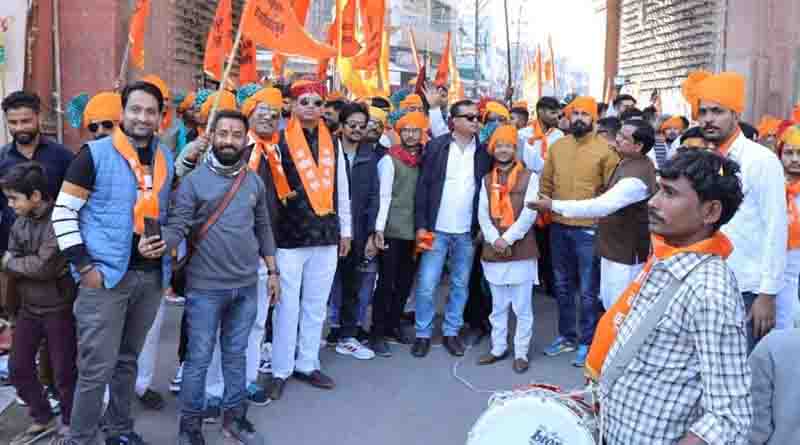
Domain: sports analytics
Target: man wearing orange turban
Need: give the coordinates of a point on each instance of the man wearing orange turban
(102, 114)
(412, 102)
(768, 132)
(758, 229)
(577, 167)
(495, 112)
(509, 252)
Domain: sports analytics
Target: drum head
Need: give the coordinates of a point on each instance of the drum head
(530, 420)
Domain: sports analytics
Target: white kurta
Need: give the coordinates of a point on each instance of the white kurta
(787, 302)
(531, 154)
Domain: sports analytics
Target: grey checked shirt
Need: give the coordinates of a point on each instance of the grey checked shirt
(691, 374)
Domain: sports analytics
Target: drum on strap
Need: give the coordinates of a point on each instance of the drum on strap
(535, 415)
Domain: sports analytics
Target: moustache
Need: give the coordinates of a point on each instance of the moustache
(653, 216)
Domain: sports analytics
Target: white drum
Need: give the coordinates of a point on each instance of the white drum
(538, 415)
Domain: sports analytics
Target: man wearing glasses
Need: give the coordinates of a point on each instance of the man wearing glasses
(102, 114)
(313, 230)
(446, 210)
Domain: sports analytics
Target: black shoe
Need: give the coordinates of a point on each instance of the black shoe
(212, 412)
(362, 336)
(152, 400)
(397, 336)
(380, 347)
(275, 389)
(421, 347)
(474, 336)
(236, 426)
(191, 431)
(333, 337)
(126, 439)
(453, 346)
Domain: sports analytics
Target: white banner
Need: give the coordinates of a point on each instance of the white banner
(13, 17)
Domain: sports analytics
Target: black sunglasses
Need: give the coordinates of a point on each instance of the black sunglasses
(307, 102)
(108, 125)
(469, 117)
(354, 125)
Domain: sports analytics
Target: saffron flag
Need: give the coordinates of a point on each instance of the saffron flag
(373, 13)
(550, 66)
(136, 31)
(443, 72)
(248, 73)
(346, 34)
(300, 8)
(538, 65)
(220, 40)
(322, 67)
(274, 25)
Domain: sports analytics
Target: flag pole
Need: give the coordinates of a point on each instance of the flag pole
(508, 51)
(123, 70)
(224, 79)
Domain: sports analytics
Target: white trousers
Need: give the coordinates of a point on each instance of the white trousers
(518, 297)
(253, 353)
(146, 363)
(787, 304)
(614, 279)
(310, 271)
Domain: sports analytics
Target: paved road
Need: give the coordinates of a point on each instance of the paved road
(396, 401)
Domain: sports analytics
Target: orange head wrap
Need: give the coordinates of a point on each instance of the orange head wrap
(412, 100)
(414, 119)
(587, 104)
(726, 89)
(301, 87)
(796, 114)
(156, 81)
(503, 134)
(227, 101)
(673, 122)
(768, 126)
(187, 103)
(104, 106)
(379, 115)
(496, 108)
(792, 136)
(268, 96)
(522, 105)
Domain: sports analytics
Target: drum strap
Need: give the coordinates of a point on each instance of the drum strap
(629, 350)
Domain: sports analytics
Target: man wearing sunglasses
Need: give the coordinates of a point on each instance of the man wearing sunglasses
(102, 114)
(355, 274)
(314, 229)
(446, 203)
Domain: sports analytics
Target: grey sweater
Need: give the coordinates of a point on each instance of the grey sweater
(228, 257)
(776, 394)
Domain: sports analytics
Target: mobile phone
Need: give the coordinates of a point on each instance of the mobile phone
(151, 227)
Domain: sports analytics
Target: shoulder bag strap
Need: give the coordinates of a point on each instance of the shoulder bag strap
(226, 200)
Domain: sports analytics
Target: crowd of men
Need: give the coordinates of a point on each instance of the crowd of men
(271, 211)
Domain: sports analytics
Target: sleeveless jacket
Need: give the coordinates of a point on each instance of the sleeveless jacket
(526, 248)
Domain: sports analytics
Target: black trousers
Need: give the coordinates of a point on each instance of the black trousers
(396, 269)
(545, 262)
(479, 302)
(349, 278)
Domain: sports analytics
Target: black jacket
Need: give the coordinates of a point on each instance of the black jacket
(430, 182)
(362, 175)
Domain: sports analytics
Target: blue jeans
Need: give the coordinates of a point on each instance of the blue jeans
(366, 286)
(459, 248)
(575, 268)
(232, 312)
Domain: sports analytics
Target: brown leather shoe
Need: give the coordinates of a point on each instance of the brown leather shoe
(316, 379)
(489, 358)
(421, 347)
(454, 346)
(275, 389)
(520, 366)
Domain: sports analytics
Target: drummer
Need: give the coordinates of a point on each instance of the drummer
(686, 380)
(509, 249)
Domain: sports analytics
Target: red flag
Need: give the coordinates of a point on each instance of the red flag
(443, 71)
(136, 31)
(274, 25)
(220, 40)
(248, 73)
(373, 13)
(421, 78)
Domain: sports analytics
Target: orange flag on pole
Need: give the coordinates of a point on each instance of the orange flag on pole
(538, 65)
(443, 72)
(373, 13)
(248, 73)
(136, 31)
(551, 63)
(274, 25)
(220, 40)
(300, 8)
(346, 32)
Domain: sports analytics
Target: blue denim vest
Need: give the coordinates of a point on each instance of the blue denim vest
(106, 220)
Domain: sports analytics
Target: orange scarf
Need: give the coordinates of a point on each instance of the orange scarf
(317, 177)
(540, 135)
(149, 185)
(264, 148)
(606, 332)
(500, 196)
(792, 190)
(725, 146)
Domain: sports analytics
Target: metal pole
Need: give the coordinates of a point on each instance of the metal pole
(508, 46)
(57, 57)
(224, 78)
(477, 74)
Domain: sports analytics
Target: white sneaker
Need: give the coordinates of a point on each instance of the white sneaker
(265, 365)
(351, 346)
(175, 384)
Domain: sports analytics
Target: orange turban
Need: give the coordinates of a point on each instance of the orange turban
(268, 96)
(156, 81)
(768, 126)
(412, 100)
(378, 115)
(103, 107)
(506, 134)
(523, 105)
(301, 87)
(414, 119)
(226, 102)
(335, 96)
(726, 89)
(496, 108)
(673, 122)
(796, 114)
(188, 102)
(587, 104)
(792, 136)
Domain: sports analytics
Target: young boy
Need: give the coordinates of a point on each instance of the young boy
(46, 292)
(509, 249)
